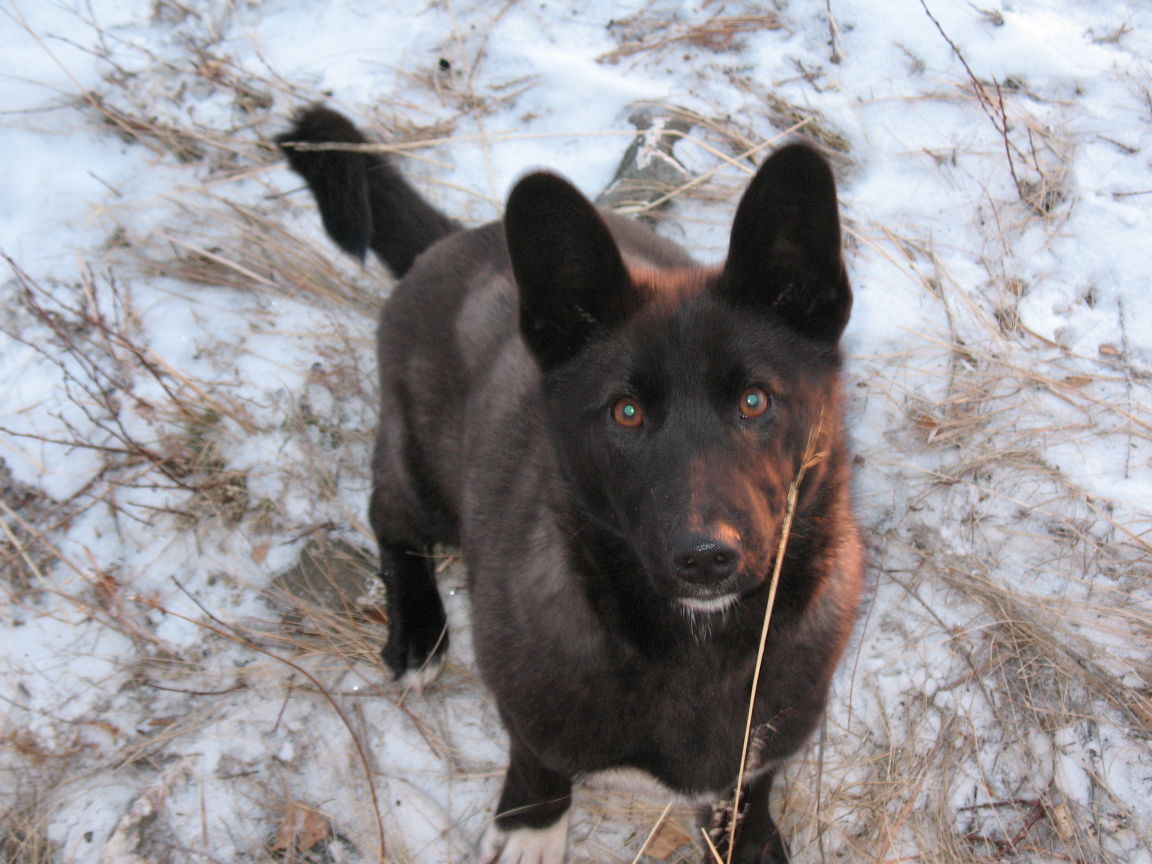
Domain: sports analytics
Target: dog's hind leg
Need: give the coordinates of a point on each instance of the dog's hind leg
(758, 840)
(417, 625)
(531, 824)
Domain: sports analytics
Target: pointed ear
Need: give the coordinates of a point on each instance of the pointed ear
(570, 275)
(784, 256)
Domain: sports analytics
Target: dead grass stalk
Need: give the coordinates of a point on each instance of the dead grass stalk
(810, 459)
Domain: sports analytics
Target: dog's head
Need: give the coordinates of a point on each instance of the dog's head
(681, 403)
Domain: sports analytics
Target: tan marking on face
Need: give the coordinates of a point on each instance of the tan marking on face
(696, 485)
(724, 533)
(719, 532)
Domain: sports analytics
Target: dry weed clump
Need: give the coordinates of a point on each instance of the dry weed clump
(333, 600)
(93, 341)
(27, 514)
(23, 832)
(1037, 589)
(646, 32)
(1038, 159)
(164, 441)
(240, 247)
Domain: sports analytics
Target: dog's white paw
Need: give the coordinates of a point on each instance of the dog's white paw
(525, 845)
(415, 680)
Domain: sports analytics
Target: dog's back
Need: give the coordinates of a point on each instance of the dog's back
(610, 430)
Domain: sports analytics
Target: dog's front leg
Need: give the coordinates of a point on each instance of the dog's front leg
(758, 840)
(531, 823)
(417, 625)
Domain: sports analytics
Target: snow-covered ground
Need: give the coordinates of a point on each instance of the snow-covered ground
(186, 406)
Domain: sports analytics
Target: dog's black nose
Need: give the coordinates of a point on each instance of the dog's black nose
(702, 559)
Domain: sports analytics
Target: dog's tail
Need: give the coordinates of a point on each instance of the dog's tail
(364, 202)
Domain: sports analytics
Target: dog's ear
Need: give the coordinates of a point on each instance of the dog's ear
(569, 272)
(784, 255)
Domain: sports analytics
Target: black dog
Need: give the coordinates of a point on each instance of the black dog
(609, 431)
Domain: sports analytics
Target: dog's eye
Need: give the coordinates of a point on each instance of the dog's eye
(754, 402)
(627, 413)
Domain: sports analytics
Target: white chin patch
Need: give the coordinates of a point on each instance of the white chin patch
(525, 845)
(415, 680)
(715, 604)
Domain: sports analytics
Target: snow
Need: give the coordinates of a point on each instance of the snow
(172, 441)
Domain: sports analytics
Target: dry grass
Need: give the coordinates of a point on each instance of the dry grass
(644, 33)
(1043, 191)
(242, 248)
(1037, 589)
(23, 825)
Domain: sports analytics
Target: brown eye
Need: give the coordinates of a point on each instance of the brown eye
(627, 413)
(754, 402)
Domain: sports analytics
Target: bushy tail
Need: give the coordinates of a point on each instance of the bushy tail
(364, 202)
